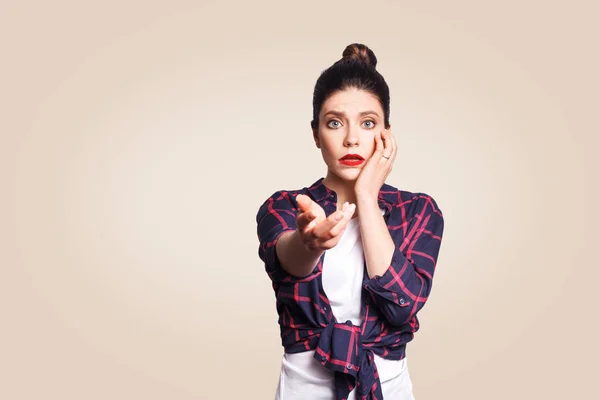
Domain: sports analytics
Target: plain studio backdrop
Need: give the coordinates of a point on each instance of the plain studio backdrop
(138, 140)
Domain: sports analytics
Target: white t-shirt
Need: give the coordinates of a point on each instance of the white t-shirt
(301, 376)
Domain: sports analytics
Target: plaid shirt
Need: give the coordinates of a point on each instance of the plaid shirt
(389, 302)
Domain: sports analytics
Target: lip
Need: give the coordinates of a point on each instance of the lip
(351, 160)
(352, 157)
(351, 163)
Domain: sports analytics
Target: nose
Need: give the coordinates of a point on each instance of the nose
(352, 135)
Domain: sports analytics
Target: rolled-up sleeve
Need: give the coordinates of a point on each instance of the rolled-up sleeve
(275, 216)
(405, 286)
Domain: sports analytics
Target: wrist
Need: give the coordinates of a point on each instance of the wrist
(311, 251)
(363, 198)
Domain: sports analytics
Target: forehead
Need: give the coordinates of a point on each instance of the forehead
(352, 101)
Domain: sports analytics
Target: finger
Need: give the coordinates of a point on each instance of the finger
(304, 202)
(322, 228)
(380, 148)
(339, 228)
(345, 206)
(388, 149)
(394, 147)
(303, 219)
(331, 243)
(379, 143)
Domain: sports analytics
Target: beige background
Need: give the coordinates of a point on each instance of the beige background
(138, 140)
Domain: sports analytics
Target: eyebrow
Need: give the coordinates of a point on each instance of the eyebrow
(341, 114)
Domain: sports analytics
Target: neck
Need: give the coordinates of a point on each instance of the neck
(343, 189)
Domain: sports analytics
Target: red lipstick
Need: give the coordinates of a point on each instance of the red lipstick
(351, 160)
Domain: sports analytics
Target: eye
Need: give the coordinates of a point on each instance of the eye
(371, 124)
(329, 124)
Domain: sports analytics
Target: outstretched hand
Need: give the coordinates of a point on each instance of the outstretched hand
(319, 232)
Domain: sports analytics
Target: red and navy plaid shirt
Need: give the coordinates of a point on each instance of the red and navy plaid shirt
(389, 303)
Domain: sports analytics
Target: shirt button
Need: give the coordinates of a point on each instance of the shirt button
(349, 366)
(402, 301)
(324, 308)
(323, 358)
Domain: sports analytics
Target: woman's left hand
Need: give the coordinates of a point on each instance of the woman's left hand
(378, 167)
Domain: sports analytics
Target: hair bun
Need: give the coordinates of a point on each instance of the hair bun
(360, 52)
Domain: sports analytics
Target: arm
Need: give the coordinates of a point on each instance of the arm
(276, 218)
(294, 257)
(377, 243)
(294, 235)
(405, 284)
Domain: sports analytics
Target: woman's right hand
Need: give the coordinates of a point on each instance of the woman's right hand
(320, 233)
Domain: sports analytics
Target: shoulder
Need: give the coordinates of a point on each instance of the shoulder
(409, 203)
(286, 196)
(283, 199)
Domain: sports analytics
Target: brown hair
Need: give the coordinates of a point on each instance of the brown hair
(360, 52)
(356, 69)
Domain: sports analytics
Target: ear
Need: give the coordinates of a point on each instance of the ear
(316, 138)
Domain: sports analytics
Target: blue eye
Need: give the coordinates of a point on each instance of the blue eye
(333, 121)
(372, 124)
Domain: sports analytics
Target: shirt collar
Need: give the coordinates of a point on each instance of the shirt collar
(387, 197)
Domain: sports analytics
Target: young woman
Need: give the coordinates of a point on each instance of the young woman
(351, 258)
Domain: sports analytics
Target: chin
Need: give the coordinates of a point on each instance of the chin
(348, 175)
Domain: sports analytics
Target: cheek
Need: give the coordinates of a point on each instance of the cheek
(327, 146)
(370, 145)
(327, 153)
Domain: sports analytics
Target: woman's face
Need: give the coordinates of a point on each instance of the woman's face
(348, 122)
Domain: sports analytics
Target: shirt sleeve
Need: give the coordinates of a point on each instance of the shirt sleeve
(275, 216)
(405, 286)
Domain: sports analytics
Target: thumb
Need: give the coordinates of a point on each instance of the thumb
(304, 202)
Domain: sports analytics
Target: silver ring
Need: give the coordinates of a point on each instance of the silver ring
(385, 157)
